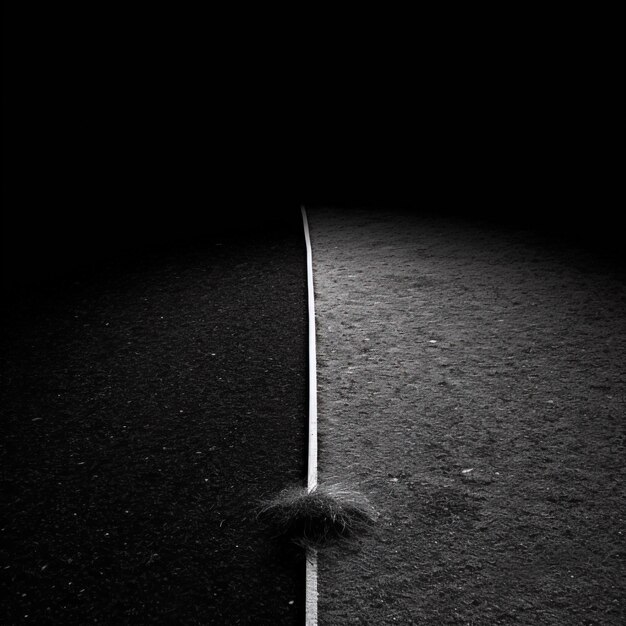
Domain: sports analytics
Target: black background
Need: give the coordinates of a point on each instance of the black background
(132, 128)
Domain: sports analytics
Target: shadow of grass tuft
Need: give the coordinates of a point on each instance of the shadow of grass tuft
(330, 513)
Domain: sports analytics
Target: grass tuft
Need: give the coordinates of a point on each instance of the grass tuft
(331, 512)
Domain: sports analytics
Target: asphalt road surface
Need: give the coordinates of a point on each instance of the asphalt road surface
(148, 404)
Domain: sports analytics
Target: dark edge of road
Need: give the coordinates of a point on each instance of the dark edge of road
(150, 399)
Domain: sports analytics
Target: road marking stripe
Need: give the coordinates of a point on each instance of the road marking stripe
(311, 588)
(311, 556)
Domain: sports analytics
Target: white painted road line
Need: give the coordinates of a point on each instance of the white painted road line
(311, 588)
(311, 556)
(312, 457)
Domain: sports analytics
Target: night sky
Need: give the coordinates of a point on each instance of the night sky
(126, 128)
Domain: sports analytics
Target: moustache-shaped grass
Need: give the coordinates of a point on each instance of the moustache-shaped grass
(331, 512)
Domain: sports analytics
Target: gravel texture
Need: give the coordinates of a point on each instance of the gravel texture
(147, 408)
(472, 383)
